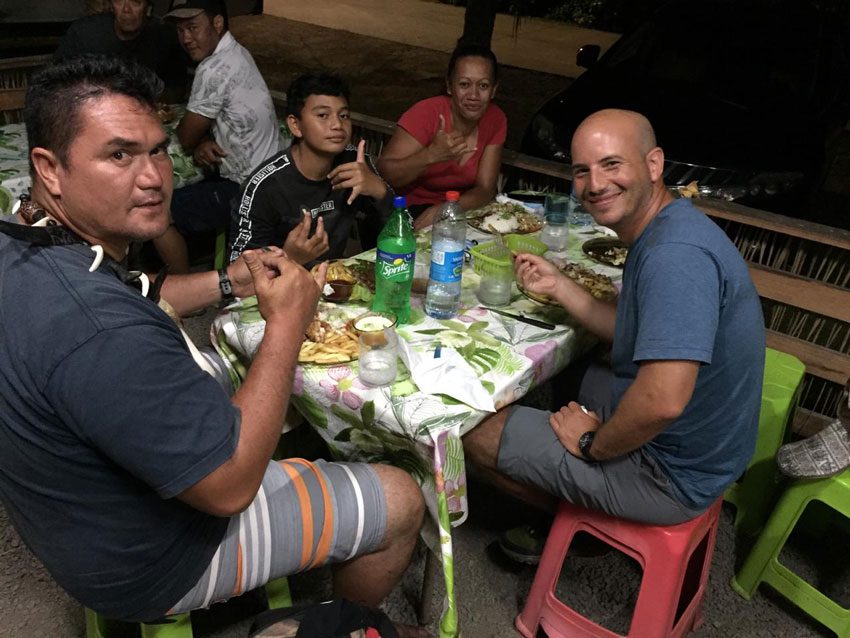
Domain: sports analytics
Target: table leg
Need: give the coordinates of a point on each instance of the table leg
(426, 596)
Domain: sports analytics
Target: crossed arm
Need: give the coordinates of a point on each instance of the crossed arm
(287, 296)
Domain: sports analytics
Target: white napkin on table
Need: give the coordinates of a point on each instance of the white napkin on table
(448, 374)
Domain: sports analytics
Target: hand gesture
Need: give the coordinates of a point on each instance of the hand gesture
(241, 278)
(447, 146)
(570, 422)
(537, 275)
(290, 293)
(302, 248)
(208, 154)
(357, 176)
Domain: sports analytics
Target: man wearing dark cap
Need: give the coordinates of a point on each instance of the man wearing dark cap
(129, 32)
(230, 124)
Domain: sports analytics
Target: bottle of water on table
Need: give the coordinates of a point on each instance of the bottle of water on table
(394, 262)
(448, 238)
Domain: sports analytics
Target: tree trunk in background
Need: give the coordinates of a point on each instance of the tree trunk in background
(478, 22)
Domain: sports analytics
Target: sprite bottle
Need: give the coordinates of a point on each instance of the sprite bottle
(394, 263)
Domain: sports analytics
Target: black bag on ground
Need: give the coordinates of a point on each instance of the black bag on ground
(333, 619)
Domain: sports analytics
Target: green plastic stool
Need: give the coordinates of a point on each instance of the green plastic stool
(755, 492)
(180, 625)
(220, 256)
(762, 564)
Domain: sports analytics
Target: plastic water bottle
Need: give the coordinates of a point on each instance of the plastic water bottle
(394, 263)
(448, 238)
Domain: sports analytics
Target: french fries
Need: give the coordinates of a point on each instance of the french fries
(338, 346)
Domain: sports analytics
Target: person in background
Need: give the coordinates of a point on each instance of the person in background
(321, 177)
(142, 486)
(129, 31)
(450, 142)
(673, 422)
(229, 128)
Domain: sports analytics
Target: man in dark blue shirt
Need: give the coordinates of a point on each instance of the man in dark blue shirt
(673, 423)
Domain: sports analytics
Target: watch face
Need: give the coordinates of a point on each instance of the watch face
(584, 443)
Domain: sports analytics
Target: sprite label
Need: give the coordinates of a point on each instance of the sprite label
(395, 266)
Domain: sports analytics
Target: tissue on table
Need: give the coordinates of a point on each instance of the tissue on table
(447, 374)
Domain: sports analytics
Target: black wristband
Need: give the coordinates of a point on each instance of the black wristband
(585, 441)
(224, 285)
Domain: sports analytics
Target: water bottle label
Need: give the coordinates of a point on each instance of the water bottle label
(446, 267)
(395, 266)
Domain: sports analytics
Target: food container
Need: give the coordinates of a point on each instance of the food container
(492, 261)
(525, 244)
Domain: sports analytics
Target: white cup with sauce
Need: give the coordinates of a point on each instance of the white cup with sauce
(378, 343)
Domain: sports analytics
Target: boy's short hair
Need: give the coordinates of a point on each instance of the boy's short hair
(309, 84)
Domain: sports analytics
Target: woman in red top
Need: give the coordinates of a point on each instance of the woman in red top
(450, 142)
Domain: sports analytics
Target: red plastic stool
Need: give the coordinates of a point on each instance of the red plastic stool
(675, 560)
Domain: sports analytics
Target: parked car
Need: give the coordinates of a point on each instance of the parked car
(744, 96)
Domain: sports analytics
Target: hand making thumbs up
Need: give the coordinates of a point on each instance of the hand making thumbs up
(447, 145)
(358, 177)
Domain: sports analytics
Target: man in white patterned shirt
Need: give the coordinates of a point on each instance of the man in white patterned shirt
(230, 125)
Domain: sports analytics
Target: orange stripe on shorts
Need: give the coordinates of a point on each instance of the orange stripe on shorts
(306, 513)
(323, 548)
(237, 586)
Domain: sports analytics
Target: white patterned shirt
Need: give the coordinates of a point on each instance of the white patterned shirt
(229, 89)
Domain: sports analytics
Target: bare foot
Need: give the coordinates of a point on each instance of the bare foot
(411, 631)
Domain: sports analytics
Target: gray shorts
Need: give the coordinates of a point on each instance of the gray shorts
(304, 515)
(633, 487)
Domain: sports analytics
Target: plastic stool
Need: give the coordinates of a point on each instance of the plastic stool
(762, 564)
(220, 255)
(755, 492)
(180, 625)
(675, 560)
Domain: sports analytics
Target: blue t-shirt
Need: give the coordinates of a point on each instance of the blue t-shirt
(104, 419)
(687, 295)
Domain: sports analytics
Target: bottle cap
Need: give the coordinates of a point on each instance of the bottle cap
(399, 201)
(452, 196)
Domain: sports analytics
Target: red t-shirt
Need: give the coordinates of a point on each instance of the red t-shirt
(421, 121)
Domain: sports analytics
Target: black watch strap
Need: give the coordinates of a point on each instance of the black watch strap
(585, 442)
(224, 285)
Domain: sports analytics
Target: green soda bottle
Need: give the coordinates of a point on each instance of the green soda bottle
(394, 263)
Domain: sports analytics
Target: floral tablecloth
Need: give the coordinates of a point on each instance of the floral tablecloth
(400, 425)
(14, 160)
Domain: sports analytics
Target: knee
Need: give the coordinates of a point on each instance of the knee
(405, 504)
(481, 445)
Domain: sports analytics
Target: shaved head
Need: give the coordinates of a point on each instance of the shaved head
(634, 126)
(618, 170)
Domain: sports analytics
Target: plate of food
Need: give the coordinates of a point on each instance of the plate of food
(606, 250)
(504, 218)
(598, 285)
(326, 344)
(349, 282)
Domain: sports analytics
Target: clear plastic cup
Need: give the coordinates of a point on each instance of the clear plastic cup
(555, 231)
(378, 344)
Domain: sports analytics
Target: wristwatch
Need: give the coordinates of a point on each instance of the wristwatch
(224, 285)
(584, 443)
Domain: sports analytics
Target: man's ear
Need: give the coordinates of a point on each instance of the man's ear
(655, 163)
(48, 168)
(218, 24)
(294, 125)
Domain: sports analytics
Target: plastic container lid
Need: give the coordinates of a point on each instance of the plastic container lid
(525, 244)
(491, 258)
